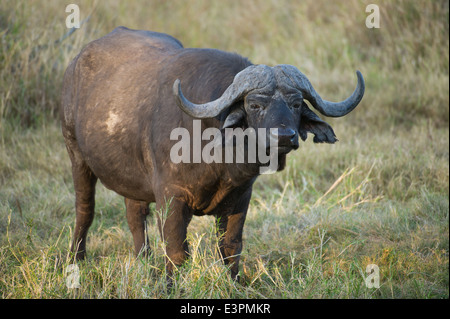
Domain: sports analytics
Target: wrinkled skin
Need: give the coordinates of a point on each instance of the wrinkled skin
(118, 109)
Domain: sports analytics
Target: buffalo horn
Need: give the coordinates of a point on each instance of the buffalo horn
(251, 78)
(330, 109)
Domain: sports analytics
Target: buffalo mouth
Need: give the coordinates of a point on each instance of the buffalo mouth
(281, 149)
(284, 141)
(284, 147)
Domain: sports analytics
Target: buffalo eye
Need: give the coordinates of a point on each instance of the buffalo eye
(255, 106)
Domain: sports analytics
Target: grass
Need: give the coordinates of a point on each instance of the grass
(379, 196)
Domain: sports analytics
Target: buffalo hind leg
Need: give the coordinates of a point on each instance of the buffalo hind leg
(84, 183)
(137, 212)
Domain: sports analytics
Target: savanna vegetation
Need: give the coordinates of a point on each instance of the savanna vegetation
(378, 196)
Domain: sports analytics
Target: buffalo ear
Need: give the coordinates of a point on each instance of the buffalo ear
(310, 122)
(234, 118)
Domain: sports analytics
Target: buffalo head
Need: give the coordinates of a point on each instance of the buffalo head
(273, 97)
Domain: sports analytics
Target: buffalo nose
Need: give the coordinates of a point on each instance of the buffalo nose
(287, 137)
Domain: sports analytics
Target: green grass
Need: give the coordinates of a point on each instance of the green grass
(379, 196)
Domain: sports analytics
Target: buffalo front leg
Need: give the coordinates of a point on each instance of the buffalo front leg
(84, 183)
(137, 212)
(229, 230)
(230, 240)
(173, 219)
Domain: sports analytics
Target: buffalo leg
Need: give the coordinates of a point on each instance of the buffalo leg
(137, 211)
(84, 183)
(230, 245)
(173, 219)
(230, 230)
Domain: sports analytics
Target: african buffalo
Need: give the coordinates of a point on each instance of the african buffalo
(121, 98)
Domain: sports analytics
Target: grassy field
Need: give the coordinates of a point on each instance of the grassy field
(378, 196)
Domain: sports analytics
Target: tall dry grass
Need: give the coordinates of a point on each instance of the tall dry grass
(379, 196)
(406, 59)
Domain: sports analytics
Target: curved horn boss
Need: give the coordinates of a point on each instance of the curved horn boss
(258, 76)
(251, 78)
